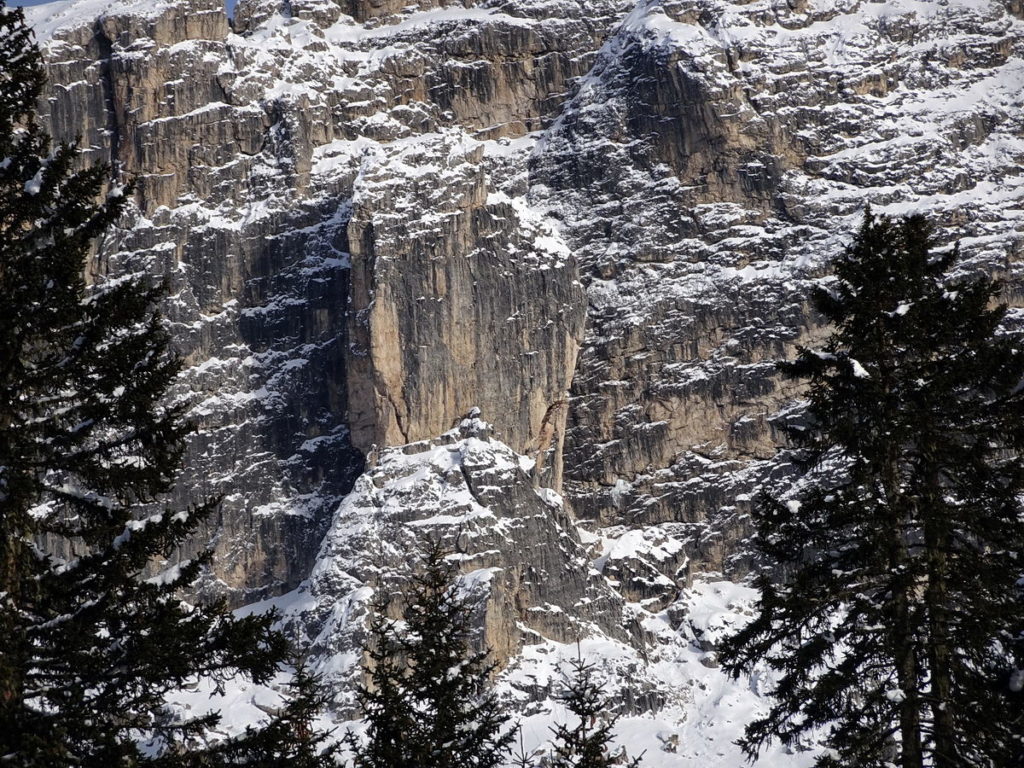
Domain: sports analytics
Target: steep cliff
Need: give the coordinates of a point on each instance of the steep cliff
(707, 168)
(595, 220)
(343, 228)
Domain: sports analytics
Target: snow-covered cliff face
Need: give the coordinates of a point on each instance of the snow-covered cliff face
(340, 210)
(597, 220)
(705, 170)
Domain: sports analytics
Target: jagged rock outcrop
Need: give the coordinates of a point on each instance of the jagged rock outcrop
(542, 599)
(517, 547)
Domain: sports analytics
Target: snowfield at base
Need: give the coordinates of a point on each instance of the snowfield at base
(698, 730)
(700, 726)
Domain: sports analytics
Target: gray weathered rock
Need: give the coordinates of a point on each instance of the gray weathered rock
(597, 221)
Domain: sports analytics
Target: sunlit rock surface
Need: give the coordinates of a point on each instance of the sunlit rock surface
(596, 221)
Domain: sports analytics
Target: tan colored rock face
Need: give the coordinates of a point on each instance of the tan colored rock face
(481, 315)
(597, 221)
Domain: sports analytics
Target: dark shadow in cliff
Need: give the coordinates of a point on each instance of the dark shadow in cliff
(293, 320)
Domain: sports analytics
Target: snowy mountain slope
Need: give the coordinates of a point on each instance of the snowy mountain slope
(540, 594)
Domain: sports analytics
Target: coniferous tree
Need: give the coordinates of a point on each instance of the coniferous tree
(387, 704)
(520, 757)
(588, 743)
(428, 701)
(90, 648)
(291, 737)
(895, 625)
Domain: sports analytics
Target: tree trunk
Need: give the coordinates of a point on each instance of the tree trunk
(937, 541)
(904, 636)
(912, 753)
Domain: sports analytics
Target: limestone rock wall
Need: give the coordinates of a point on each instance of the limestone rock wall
(596, 220)
(339, 210)
(471, 305)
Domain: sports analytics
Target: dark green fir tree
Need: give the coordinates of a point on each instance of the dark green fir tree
(428, 701)
(894, 628)
(385, 699)
(89, 646)
(588, 743)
